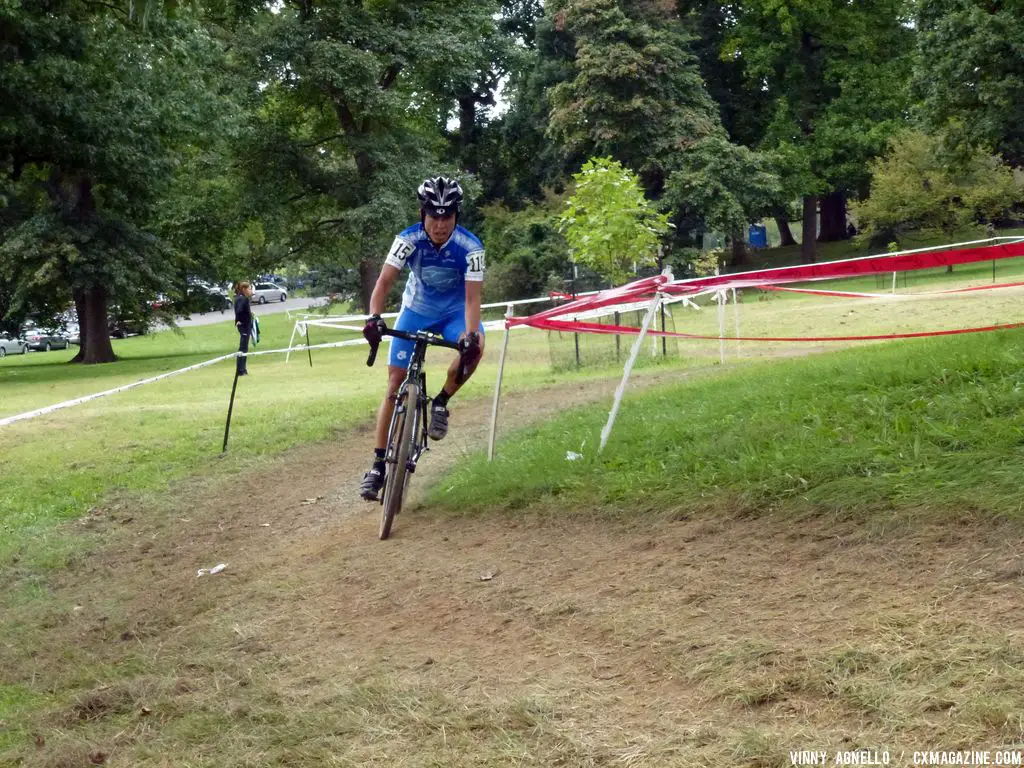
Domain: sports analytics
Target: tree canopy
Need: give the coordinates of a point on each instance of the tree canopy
(147, 143)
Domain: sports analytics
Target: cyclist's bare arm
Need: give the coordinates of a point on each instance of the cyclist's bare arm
(379, 297)
(474, 292)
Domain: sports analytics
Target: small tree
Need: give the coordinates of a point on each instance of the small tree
(608, 223)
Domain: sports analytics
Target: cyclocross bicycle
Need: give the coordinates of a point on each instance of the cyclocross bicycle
(407, 435)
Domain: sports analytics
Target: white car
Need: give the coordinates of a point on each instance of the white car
(264, 292)
(9, 346)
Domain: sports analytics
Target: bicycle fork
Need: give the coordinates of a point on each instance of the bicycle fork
(420, 445)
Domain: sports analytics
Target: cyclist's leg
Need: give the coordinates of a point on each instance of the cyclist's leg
(453, 329)
(398, 364)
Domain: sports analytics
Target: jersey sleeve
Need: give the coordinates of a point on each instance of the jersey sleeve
(475, 266)
(400, 251)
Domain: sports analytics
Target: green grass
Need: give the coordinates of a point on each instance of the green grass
(15, 699)
(927, 428)
(933, 426)
(56, 467)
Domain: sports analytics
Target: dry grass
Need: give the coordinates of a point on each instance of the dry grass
(708, 641)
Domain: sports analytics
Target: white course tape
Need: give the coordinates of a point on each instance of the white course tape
(78, 400)
(86, 398)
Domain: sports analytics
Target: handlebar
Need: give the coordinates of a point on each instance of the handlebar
(426, 336)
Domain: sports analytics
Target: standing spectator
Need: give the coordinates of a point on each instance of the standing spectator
(243, 322)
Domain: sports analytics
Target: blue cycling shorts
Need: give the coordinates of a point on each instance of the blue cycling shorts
(450, 327)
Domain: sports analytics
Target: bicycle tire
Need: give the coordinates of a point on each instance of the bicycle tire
(394, 491)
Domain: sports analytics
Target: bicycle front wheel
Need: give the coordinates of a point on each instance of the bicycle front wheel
(400, 448)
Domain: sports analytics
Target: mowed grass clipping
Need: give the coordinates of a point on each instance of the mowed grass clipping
(929, 425)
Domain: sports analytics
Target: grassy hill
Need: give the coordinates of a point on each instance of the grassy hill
(925, 428)
(773, 556)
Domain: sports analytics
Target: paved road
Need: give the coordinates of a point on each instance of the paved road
(259, 310)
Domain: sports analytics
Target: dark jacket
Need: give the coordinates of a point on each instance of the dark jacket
(243, 313)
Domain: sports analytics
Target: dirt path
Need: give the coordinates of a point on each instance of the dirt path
(502, 641)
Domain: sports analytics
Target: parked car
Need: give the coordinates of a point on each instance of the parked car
(9, 346)
(72, 334)
(205, 298)
(45, 339)
(119, 328)
(264, 292)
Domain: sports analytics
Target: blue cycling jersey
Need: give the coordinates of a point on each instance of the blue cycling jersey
(437, 274)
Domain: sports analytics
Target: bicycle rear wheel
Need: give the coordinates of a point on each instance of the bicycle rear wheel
(401, 444)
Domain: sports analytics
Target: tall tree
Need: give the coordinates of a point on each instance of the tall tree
(352, 117)
(95, 108)
(837, 75)
(636, 93)
(745, 104)
(971, 71)
(473, 80)
(525, 159)
(720, 186)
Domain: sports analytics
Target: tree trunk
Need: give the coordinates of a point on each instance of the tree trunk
(833, 218)
(468, 133)
(739, 250)
(784, 231)
(94, 336)
(367, 280)
(810, 230)
(83, 320)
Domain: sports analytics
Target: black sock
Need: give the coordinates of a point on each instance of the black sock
(378, 459)
(441, 400)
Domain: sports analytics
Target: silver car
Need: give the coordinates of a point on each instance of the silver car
(264, 292)
(9, 346)
(45, 339)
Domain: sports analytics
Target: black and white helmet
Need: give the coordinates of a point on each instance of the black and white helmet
(440, 196)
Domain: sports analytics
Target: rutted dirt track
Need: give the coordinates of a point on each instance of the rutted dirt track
(530, 641)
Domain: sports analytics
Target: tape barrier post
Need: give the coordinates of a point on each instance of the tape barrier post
(664, 339)
(509, 312)
(606, 432)
(720, 298)
(736, 312)
(576, 341)
(618, 340)
(231, 405)
(291, 341)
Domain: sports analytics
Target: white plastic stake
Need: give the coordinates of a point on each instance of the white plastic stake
(509, 312)
(720, 298)
(606, 432)
(736, 311)
(291, 341)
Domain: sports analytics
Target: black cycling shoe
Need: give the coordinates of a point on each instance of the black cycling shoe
(373, 481)
(438, 423)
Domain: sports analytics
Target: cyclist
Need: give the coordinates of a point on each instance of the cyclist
(442, 294)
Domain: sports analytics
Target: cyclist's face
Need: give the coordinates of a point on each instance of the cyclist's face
(439, 228)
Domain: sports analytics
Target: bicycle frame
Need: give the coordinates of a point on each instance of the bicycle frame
(414, 374)
(407, 441)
